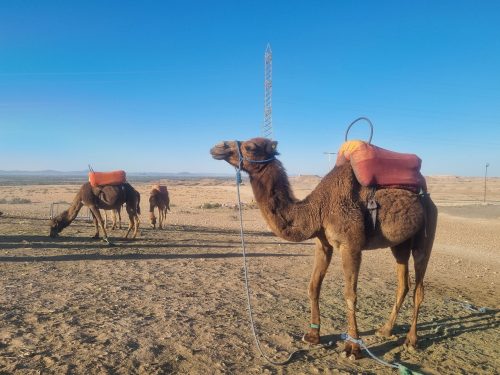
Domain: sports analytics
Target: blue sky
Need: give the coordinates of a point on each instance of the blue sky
(151, 86)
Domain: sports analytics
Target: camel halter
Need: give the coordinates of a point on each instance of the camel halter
(241, 158)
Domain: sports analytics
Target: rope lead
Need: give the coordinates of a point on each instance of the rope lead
(403, 370)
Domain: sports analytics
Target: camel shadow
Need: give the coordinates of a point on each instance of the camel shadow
(76, 242)
(123, 249)
(134, 256)
(440, 330)
(451, 327)
(211, 230)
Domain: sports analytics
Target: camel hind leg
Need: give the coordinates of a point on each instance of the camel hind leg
(163, 215)
(421, 250)
(133, 222)
(402, 254)
(160, 217)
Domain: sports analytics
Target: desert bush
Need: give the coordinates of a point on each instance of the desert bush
(17, 200)
(208, 206)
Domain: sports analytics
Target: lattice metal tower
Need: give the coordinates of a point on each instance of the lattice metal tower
(267, 128)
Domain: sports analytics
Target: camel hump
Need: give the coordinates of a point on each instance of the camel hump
(107, 178)
(348, 147)
(160, 188)
(375, 166)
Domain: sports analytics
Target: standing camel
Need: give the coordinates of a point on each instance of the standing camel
(335, 213)
(107, 197)
(158, 198)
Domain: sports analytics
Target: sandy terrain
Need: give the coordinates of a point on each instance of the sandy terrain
(173, 301)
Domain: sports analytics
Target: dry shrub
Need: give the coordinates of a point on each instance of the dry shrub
(208, 206)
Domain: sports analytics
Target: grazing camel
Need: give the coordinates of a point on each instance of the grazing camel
(158, 198)
(335, 213)
(107, 197)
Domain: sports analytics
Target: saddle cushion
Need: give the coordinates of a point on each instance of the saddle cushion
(107, 178)
(375, 166)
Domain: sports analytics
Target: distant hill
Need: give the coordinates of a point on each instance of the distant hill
(53, 173)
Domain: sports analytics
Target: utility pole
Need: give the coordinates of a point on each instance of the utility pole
(485, 176)
(267, 128)
(329, 158)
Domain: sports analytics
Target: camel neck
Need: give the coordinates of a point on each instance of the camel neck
(288, 217)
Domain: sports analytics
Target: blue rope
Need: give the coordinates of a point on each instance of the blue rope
(241, 157)
(403, 370)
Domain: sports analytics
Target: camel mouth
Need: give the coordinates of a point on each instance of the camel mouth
(220, 151)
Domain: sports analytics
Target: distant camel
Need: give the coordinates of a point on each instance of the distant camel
(115, 213)
(336, 214)
(108, 197)
(158, 198)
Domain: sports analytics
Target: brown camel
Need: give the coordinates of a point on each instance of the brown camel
(107, 197)
(336, 215)
(159, 198)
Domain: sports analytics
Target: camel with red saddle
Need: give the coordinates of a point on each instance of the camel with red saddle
(106, 191)
(343, 214)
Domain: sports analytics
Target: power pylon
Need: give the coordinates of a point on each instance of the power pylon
(267, 128)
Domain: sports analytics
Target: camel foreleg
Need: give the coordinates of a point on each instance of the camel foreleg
(152, 218)
(322, 259)
(96, 226)
(119, 213)
(351, 262)
(100, 221)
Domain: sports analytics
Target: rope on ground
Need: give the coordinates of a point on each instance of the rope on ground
(403, 370)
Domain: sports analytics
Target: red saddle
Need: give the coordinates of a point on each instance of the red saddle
(107, 178)
(375, 166)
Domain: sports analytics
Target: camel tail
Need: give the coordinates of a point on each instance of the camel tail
(138, 204)
(425, 237)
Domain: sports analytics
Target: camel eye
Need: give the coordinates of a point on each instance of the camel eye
(250, 148)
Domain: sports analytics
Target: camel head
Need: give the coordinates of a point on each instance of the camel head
(54, 228)
(249, 154)
(152, 220)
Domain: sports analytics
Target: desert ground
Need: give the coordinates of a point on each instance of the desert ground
(173, 301)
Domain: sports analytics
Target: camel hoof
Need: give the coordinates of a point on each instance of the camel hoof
(311, 338)
(410, 347)
(351, 352)
(108, 242)
(386, 333)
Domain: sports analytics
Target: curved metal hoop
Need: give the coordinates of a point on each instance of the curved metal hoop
(355, 121)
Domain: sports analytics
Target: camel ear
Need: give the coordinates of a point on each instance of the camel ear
(272, 148)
